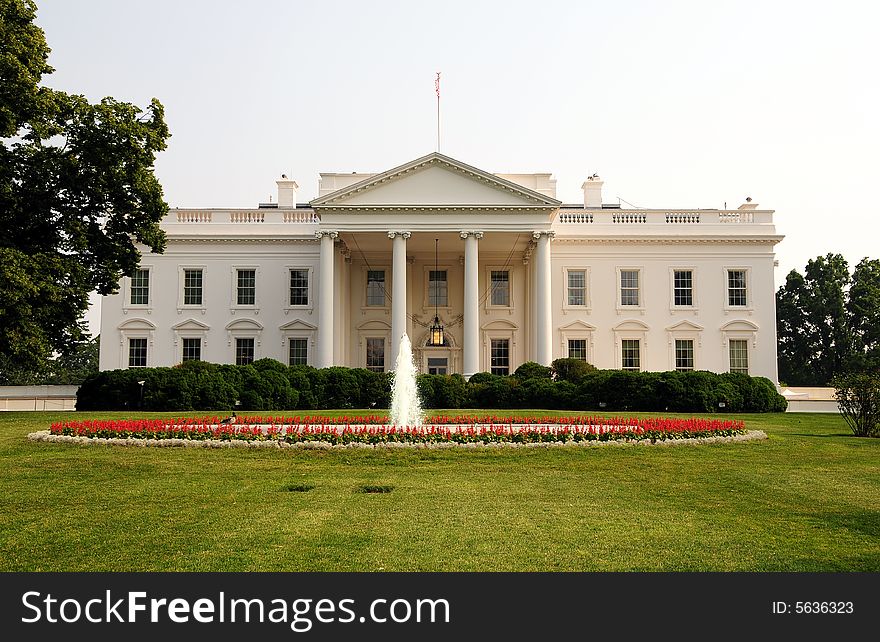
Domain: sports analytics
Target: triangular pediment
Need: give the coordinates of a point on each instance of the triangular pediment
(685, 326)
(297, 324)
(435, 181)
(191, 325)
(583, 326)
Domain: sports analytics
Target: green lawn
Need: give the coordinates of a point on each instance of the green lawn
(806, 500)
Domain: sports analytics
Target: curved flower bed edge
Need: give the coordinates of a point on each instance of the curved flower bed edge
(368, 431)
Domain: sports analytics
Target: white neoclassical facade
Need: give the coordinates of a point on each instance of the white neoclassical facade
(513, 275)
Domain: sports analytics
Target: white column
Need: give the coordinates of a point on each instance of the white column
(543, 298)
(325, 299)
(471, 324)
(533, 306)
(398, 292)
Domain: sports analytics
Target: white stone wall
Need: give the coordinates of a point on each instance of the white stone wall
(508, 219)
(603, 322)
(222, 318)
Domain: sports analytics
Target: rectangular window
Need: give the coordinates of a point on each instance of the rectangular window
(140, 287)
(500, 285)
(376, 288)
(631, 358)
(437, 365)
(684, 354)
(192, 350)
(577, 349)
(247, 287)
(299, 287)
(376, 354)
(438, 288)
(137, 353)
(739, 355)
(298, 354)
(577, 287)
(192, 287)
(500, 356)
(736, 288)
(244, 351)
(683, 286)
(629, 287)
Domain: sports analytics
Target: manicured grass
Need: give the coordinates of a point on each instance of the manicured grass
(806, 500)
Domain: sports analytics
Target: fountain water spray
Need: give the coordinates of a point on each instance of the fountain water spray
(406, 409)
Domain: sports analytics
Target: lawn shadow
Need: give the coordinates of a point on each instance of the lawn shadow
(808, 434)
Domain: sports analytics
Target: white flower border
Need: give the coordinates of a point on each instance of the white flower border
(46, 436)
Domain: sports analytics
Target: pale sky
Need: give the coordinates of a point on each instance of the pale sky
(674, 104)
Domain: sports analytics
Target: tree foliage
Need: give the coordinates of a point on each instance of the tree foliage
(77, 193)
(828, 321)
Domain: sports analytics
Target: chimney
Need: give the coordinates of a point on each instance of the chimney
(748, 205)
(593, 191)
(286, 191)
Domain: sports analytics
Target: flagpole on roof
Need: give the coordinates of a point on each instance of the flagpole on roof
(437, 89)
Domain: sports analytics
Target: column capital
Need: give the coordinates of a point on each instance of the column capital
(466, 233)
(404, 235)
(548, 233)
(322, 233)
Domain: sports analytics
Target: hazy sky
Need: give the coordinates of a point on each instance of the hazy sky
(675, 104)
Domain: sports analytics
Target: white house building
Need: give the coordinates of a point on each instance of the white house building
(511, 273)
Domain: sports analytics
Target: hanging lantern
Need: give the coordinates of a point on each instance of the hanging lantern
(437, 338)
(437, 332)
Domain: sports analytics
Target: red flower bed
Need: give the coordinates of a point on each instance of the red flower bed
(374, 429)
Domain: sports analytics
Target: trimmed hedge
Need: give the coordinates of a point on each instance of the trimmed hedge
(270, 385)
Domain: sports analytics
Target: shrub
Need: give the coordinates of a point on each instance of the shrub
(301, 379)
(573, 370)
(858, 395)
(532, 370)
(270, 385)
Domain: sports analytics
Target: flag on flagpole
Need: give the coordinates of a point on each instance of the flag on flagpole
(437, 84)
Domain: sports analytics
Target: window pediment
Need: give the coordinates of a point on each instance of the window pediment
(375, 324)
(576, 326)
(632, 325)
(244, 324)
(685, 326)
(297, 324)
(136, 324)
(500, 324)
(191, 325)
(739, 325)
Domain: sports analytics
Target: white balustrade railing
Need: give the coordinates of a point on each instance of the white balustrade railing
(193, 217)
(665, 217)
(245, 217)
(300, 217)
(575, 217)
(683, 217)
(629, 217)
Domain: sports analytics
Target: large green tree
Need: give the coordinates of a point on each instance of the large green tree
(77, 192)
(828, 321)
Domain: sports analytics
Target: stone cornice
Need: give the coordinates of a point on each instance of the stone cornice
(417, 209)
(670, 240)
(240, 239)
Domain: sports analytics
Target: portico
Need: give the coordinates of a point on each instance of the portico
(484, 234)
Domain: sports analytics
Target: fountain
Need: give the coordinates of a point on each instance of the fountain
(406, 409)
